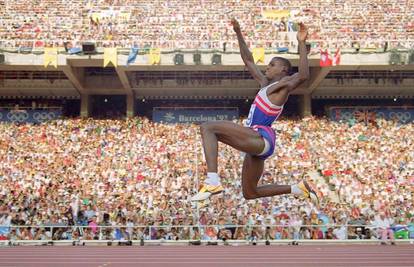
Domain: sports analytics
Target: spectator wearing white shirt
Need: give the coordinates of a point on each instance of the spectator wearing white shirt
(383, 225)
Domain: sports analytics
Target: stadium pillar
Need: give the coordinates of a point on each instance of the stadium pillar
(306, 105)
(85, 107)
(130, 105)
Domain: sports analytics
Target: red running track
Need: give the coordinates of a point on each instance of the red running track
(173, 256)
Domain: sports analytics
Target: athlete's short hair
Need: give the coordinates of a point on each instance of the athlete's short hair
(284, 62)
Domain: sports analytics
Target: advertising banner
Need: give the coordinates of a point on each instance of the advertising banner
(187, 115)
(371, 114)
(29, 115)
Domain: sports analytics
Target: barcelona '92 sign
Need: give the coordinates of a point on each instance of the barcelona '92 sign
(184, 115)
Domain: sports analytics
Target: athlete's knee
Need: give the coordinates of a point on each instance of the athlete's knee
(207, 127)
(249, 194)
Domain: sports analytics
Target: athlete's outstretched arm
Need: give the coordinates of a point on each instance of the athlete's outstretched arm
(303, 54)
(292, 82)
(247, 55)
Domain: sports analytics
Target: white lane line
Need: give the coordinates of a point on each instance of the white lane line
(380, 263)
(155, 252)
(230, 257)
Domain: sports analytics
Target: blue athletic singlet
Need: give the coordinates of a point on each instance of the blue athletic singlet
(261, 116)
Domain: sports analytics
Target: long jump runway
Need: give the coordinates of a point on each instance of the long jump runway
(274, 255)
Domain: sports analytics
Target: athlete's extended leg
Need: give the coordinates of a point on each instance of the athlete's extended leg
(239, 137)
(251, 173)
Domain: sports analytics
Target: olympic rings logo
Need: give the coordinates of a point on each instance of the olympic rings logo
(401, 116)
(18, 115)
(346, 115)
(43, 116)
(381, 115)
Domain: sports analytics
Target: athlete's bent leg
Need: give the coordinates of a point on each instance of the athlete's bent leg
(251, 173)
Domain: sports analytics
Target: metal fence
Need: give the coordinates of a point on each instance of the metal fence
(197, 234)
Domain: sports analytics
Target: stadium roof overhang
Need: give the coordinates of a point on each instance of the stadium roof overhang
(83, 75)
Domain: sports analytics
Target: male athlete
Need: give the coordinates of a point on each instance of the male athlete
(257, 139)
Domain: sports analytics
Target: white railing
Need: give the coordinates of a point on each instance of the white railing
(147, 234)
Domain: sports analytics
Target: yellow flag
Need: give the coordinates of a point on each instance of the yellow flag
(124, 15)
(110, 56)
(154, 56)
(96, 17)
(258, 54)
(50, 57)
(275, 14)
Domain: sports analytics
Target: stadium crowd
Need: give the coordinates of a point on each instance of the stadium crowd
(205, 24)
(138, 176)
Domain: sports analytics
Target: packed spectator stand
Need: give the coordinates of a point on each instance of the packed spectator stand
(69, 178)
(131, 179)
(198, 24)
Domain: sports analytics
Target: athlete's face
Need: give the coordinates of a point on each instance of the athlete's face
(274, 69)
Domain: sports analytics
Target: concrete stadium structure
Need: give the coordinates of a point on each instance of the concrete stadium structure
(360, 75)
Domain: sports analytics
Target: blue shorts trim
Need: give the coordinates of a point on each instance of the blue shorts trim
(269, 134)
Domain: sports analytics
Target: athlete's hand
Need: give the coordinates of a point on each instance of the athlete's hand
(236, 25)
(302, 33)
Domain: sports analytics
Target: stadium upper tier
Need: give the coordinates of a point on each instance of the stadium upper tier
(205, 24)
